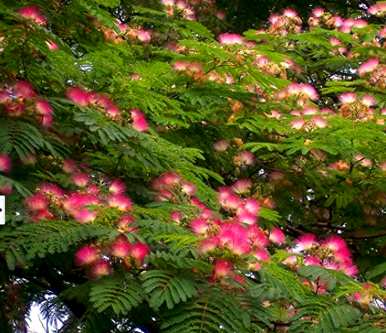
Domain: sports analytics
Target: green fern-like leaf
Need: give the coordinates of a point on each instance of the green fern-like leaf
(166, 288)
(119, 293)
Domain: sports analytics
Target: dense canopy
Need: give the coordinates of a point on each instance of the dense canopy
(193, 166)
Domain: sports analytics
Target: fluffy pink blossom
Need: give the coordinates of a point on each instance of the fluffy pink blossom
(176, 216)
(24, 89)
(139, 251)
(261, 254)
(43, 107)
(312, 261)
(298, 123)
(36, 202)
(335, 243)
(277, 236)
(378, 9)
(368, 66)
(319, 121)
(120, 247)
(78, 96)
(51, 189)
(188, 188)
(208, 245)
(120, 201)
(221, 145)
(84, 215)
(368, 100)
(117, 186)
(347, 98)
(230, 38)
(246, 217)
(251, 205)
(144, 35)
(52, 46)
(33, 13)
(199, 226)
(100, 268)
(80, 179)
(245, 158)
(5, 163)
(318, 12)
(139, 120)
(86, 255)
(125, 223)
(242, 186)
(222, 268)
(306, 241)
(257, 236)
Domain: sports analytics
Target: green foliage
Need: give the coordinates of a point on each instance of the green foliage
(166, 288)
(118, 293)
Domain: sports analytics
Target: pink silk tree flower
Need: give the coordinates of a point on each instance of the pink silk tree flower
(347, 98)
(120, 201)
(78, 96)
(368, 66)
(222, 268)
(138, 252)
(84, 215)
(52, 46)
(120, 247)
(318, 12)
(24, 89)
(144, 35)
(319, 121)
(277, 236)
(117, 186)
(86, 255)
(69, 166)
(36, 202)
(230, 38)
(100, 268)
(199, 226)
(80, 179)
(221, 145)
(298, 123)
(176, 216)
(242, 186)
(208, 245)
(34, 14)
(5, 163)
(43, 107)
(261, 254)
(306, 241)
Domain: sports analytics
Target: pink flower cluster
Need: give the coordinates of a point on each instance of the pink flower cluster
(22, 99)
(181, 7)
(172, 187)
(303, 92)
(85, 203)
(378, 9)
(238, 236)
(99, 259)
(331, 253)
(230, 39)
(278, 69)
(34, 14)
(321, 17)
(355, 107)
(288, 22)
(310, 118)
(375, 71)
(103, 103)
